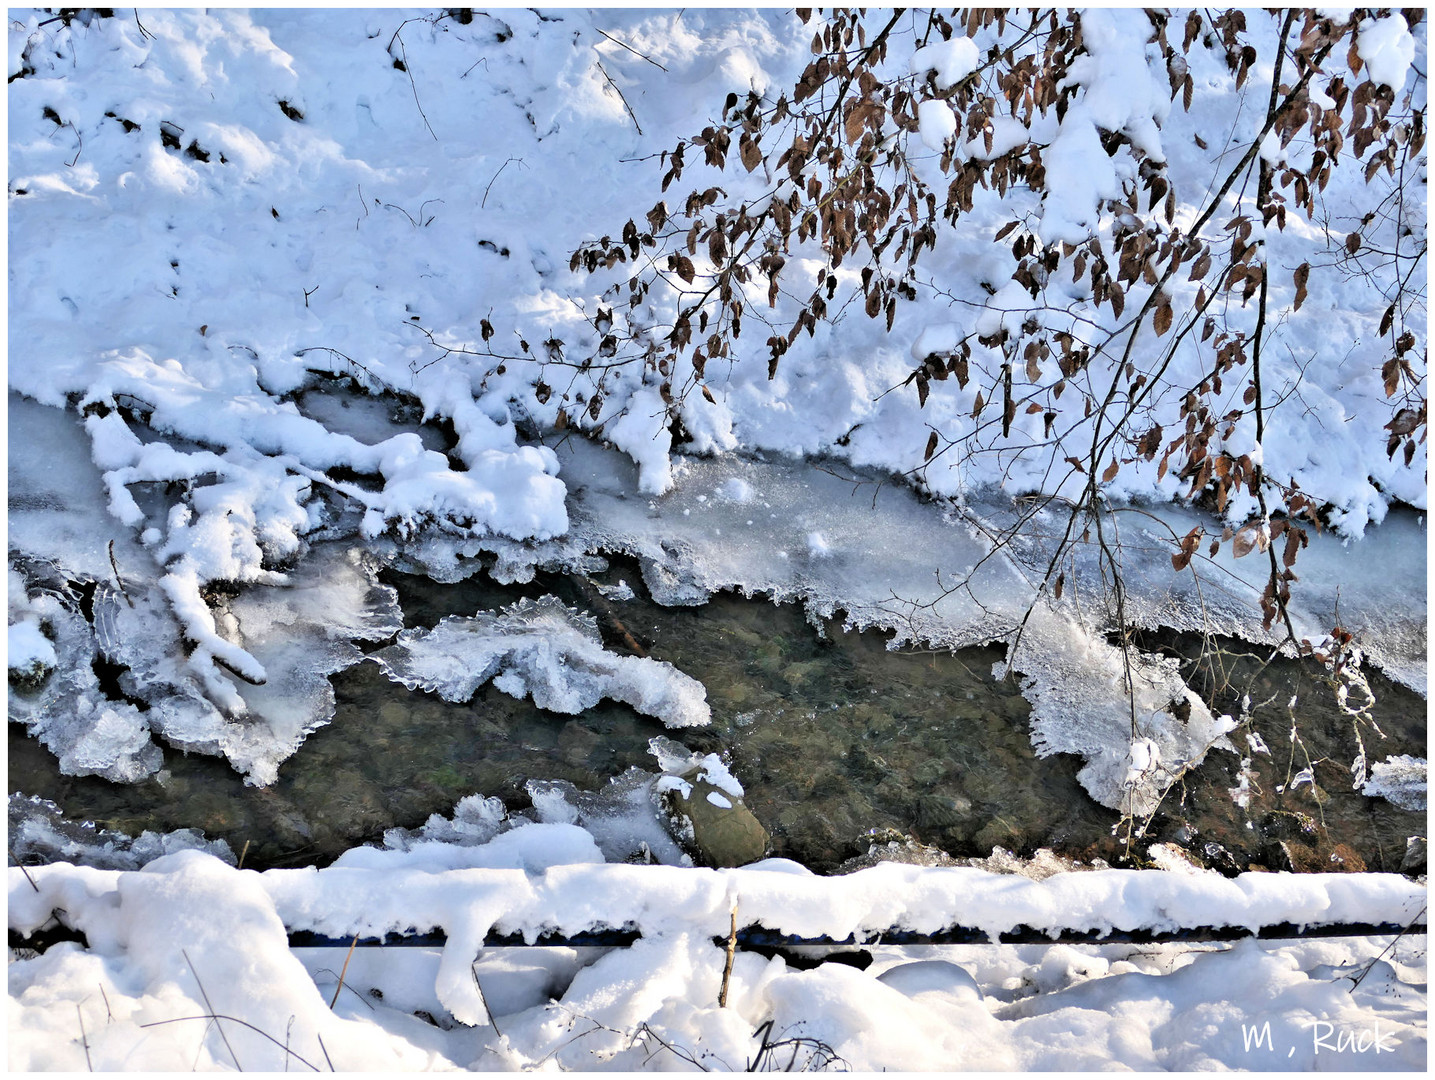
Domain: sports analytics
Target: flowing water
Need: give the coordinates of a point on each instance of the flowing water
(837, 740)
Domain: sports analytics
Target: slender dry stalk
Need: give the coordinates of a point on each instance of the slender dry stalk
(727, 963)
(84, 1039)
(493, 1023)
(344, 971)
(16, 859)
(208, 1005)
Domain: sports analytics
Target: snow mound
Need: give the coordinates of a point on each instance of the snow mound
(1387, 48)
(189, 935)
(543, 650)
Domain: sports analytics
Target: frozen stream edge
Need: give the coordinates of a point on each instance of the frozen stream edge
(793, 531)
(790, 530)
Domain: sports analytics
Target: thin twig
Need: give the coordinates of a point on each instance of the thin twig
(78, 150)
(118, 581)
(493, 1023)
(344, 971)
(205, 994)
(240, 865)
(1371, 966)
(727, 963)
(630, 48)
(404, 56)
(84, 1039)
(330, 971)
(323, 1048)
(216, 1017)
(620, 96)
(24, 871)
(484, 201)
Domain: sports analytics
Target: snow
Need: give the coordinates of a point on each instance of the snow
(1387, 49)
(951, 60)
(937, 123)
(202, 492)
(188, 935)
(546, 651)
(1121, 94)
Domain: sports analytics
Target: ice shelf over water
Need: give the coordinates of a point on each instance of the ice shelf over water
(929, 574)
(834, 539)
(99, 595)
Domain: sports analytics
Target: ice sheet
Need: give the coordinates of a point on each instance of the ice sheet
(925, 571)
(543, 650)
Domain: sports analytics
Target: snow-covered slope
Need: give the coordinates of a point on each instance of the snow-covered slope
(218, 219)
(188, 937)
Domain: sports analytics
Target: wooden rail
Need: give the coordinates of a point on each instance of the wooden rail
(760, 937)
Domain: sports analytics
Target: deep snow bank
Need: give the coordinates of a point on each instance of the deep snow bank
(189, 935)
(324, 169)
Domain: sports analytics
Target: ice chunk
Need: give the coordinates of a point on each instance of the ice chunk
(39, 828)
(864, 524)
(676, 760)
(305, 630)
(622, 817)
(1401, 779)
(303, 633)
(543, 650)
(1130, 716)
(91, 731)
(475, 820)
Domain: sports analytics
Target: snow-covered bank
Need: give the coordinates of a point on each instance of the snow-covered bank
(294, 298)
(323, 169)
(222, 950)
(739, 522)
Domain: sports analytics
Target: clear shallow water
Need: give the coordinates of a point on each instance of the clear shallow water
(833, 736)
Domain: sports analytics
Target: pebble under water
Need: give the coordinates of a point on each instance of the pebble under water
(838, 741)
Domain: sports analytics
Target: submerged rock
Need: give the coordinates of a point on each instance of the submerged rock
(714, 823)
(1414, 860)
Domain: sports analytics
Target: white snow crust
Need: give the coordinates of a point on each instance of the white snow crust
(189, 935)
(250, 253)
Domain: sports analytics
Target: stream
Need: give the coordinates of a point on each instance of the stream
(839, 742)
